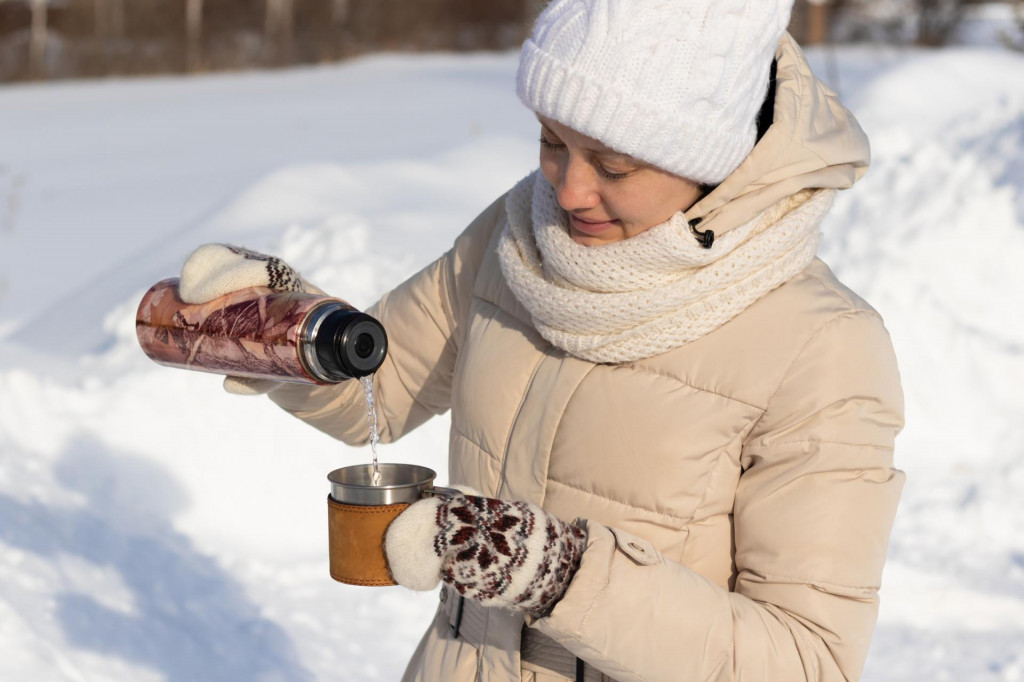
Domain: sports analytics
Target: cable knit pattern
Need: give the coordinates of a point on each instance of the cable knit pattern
(675, 84)
(653, 292)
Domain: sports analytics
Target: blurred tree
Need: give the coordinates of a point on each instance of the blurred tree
(37, 40)
(809, 23)
(279, 31)
(532, 8)
(101, 37)
(1015, 39)
(194, 34)
(339, 14)
(817, 21)
(937, 19)
(929, 23)
(109, 19)
(37, 37)
(332, 32)
(109, 27)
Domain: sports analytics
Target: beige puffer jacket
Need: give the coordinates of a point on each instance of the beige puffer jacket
(738, 491)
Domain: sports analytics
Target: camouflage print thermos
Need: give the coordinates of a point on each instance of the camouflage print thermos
(262, 334)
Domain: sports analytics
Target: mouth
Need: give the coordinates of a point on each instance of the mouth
(591, 227)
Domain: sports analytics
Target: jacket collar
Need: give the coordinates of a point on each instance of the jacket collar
(813, 141)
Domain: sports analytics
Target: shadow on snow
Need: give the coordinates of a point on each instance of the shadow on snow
(189, 619)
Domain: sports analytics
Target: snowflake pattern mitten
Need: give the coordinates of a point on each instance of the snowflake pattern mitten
(499, 553)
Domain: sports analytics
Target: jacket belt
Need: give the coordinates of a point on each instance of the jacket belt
(467, 620)
(541, 653)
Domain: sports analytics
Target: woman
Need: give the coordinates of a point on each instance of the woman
(679, 422)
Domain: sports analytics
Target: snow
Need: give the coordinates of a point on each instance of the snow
(153, 527)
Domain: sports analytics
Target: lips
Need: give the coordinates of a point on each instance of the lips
(591, 227)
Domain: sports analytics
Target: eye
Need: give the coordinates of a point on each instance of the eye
(548, 144)
(609, 175)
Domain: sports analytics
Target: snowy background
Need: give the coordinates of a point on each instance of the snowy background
(153, 527)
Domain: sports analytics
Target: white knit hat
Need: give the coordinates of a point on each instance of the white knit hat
(675, 83)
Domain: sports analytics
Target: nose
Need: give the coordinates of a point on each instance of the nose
(577, 187)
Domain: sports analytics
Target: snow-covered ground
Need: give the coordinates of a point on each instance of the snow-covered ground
(153, 527)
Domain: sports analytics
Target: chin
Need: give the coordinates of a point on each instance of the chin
(590, 240)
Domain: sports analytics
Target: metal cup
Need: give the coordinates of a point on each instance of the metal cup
(399, 483)
(358, 514)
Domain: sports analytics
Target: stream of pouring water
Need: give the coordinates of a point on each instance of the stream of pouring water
(371, 419)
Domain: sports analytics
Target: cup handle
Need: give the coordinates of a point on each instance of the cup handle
(441, 492)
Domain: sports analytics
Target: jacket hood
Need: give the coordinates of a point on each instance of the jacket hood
(813, 142)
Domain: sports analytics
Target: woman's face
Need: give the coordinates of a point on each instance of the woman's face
(609, 196)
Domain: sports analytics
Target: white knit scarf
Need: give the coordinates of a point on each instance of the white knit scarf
(653, 292)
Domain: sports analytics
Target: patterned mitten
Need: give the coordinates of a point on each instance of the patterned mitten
(499, 553)
(214, 270)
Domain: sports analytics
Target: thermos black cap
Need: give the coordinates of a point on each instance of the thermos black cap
(350, 344)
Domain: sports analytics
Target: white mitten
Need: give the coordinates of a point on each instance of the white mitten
(510, 554)
(214, 270)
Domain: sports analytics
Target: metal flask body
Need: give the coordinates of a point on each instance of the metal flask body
(261, 334)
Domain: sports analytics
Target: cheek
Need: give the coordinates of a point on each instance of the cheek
(640, 210)
(668, 197)
(629, 207)
(549, 168)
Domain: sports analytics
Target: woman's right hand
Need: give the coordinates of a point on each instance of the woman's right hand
(213, 270)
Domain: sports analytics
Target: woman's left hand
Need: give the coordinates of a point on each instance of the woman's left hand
(510, 554)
